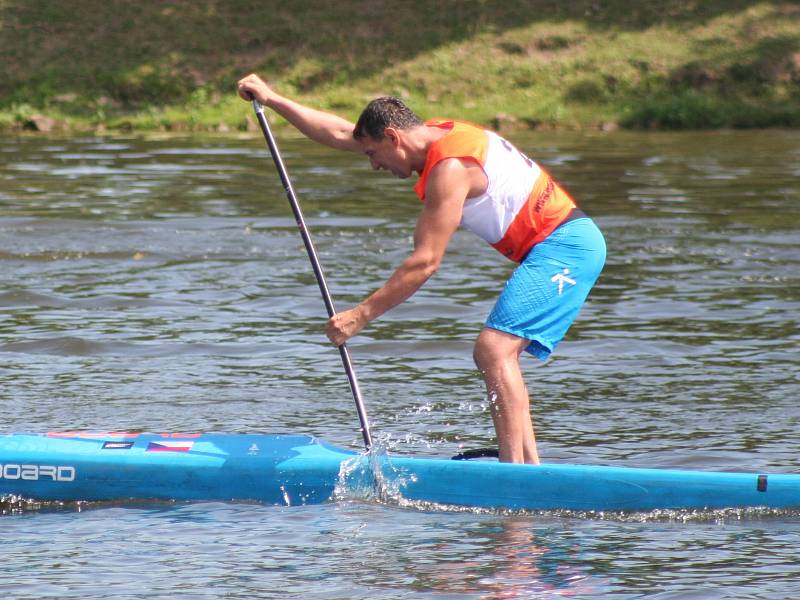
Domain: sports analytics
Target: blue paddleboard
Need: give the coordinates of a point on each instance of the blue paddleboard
(298, 469)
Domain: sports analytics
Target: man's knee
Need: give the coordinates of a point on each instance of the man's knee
(482, 356)
(493, 348)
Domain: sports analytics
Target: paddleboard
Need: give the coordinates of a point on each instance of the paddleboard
(298, 469)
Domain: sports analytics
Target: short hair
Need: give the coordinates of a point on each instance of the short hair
(384, 112)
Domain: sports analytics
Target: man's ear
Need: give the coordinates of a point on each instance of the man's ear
(393, 134)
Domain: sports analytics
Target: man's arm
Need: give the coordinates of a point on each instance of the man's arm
(447, 188)
(322, 127)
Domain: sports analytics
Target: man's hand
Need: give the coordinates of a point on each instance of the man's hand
(322, 127)
(253, 87)
(344, 325)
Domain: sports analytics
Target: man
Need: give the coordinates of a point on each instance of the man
(471, 177)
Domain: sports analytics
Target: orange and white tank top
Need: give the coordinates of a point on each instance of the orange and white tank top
(522, 204)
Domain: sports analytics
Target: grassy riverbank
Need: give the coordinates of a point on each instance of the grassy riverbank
(114, 64)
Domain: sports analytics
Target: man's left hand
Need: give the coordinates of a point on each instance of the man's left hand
(344, 325)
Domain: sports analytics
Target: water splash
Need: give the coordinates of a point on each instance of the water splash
(371, 477)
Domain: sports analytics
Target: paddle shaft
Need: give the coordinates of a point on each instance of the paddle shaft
(315, 264)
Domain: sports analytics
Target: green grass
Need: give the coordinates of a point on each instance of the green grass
(173, 65)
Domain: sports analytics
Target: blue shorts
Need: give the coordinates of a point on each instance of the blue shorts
(545, 293)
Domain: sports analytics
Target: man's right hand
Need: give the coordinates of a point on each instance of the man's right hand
(253, 87)
(322, 127)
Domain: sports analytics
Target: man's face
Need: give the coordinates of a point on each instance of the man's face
(386, 154)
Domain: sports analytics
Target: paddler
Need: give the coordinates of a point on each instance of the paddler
(472, 177)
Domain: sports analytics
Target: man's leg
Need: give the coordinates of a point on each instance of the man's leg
(497, 356)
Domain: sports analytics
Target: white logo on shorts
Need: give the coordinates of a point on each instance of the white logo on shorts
(561, 279)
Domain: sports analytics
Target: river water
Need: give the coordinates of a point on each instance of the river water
(160, 284)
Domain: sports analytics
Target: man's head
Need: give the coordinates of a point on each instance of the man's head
(381, 130)
(382, 113)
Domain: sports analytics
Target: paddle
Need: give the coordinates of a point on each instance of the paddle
(312, 255)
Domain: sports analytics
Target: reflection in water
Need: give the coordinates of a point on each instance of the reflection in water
(507, 558)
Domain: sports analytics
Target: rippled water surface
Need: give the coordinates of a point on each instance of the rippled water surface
(160, 284)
